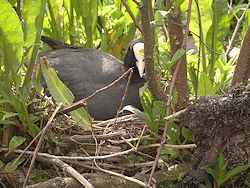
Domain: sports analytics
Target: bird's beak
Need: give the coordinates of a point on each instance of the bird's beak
(141, 67)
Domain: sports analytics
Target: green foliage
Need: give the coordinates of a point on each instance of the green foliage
(11, 42)
(220, 174)
(62, 94)
(105, 24)
(16, 141)
(11, 168)
(154, 111)
(32, 15)
(209, 71)
(176, 135)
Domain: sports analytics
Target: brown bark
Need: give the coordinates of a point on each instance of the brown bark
(176, 38)
(148, 35)
(242, 69)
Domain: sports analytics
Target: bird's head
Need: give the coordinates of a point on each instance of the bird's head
(134, 56)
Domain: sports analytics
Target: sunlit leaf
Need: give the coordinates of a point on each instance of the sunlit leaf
(205, 85)
(136, 111)
(62, 94)
(12, 40)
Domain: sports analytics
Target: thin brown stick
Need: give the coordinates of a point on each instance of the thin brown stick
(175, 115)
(132, 15)
(125, 92)
(237, 27)
(169, 146)
(82, 102)
(73, 158)
(40, 142)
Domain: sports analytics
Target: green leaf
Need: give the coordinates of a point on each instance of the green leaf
(221, 162)
(16, 141)
(9, 114)
(233, 172)
(205, 16)
(1, 164)
(88, 11)
(82, 117)
(7, 122)
(210, 171)
(217, 32)
(33, 14)
(205, 85)
(7, 94)
(178, 54)
(147, 101)
(54, 8)
(192, 75)
(11, 42)
(159, 110)
(136, 111)
(56, 87)
(11, 36)
(160, 17)
(173, 132)
(13, 168)
(187, 134)
(62, 94)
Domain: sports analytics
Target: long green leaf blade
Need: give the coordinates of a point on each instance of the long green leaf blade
(12, 41)
(62, 94)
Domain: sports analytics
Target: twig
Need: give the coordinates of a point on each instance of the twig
(89, 138)
(125, 92)
(66, 168)
(73, 158)
(132, 15)
(237, 27)
(82, 102)
(169, 146)
(21, 151)
(116, 166)
(136, 2)
(175, 115)
(200, 39)
(138, 142)
(131, 145)
(121, 119)
(40, 142)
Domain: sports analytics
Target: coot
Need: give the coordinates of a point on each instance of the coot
(85, 70)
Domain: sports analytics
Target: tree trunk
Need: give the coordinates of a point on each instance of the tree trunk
(176, 38)
(242, 69)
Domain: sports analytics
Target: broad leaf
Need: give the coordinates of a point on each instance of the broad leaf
(62, 94)
(16, 141)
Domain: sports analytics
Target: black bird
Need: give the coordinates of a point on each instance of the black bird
(85, 70)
